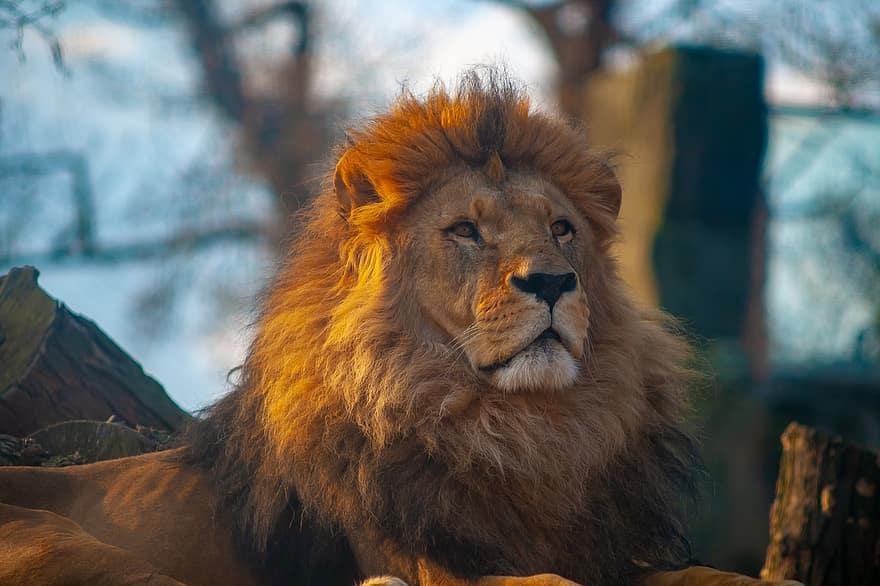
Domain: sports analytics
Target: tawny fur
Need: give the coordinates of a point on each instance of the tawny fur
(342, 411)
(363, 440)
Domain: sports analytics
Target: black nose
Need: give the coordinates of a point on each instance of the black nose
(546, 286)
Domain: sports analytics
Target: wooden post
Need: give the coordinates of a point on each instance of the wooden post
(691, 125)
(825, 522)
(57, 366)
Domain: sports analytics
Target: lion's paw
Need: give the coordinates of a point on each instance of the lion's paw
(703, 576)
(536, 580)
(383, 581)
(548, 580)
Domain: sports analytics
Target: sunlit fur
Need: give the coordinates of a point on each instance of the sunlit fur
(348, 408)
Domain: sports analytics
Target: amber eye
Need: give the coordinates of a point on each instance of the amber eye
(463, 229)
(562, 229)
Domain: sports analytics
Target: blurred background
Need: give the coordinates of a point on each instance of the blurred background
(153, 154)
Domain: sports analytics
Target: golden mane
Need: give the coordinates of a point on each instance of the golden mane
(405, 151)
(343, 417)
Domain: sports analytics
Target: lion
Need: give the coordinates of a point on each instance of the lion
(448, 384)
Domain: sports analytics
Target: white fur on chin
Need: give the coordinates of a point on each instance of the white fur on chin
(542, 366)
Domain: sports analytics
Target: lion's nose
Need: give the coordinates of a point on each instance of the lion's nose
(546, 286)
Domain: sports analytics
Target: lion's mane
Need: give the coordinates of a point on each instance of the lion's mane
(343, 421)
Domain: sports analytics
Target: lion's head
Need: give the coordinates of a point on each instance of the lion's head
(495, 269)
(449, 362)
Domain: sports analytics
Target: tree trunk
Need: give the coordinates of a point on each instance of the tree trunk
(56, 366)
(825, 522)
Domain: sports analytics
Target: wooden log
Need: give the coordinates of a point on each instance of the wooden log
(825, 522)
(57, 366)
(81, 442)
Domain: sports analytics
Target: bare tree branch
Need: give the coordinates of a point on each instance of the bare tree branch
(856, 241)
(85, 246)
(294, 10)
(212, 43)
(184, 242)
(221, 71)
(806, 153)
(41, 164)
(579, 32)
(12, 15)
(835, 43)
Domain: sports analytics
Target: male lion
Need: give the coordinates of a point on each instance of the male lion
(448, 383)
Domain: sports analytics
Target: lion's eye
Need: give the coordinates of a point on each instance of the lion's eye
(562, 229)
(463, 229)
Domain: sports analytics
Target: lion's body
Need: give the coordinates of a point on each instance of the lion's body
(147, 508)
(151, 520)
(448, 381)
(383, 428)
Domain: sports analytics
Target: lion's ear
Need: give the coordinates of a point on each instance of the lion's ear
(353, 188)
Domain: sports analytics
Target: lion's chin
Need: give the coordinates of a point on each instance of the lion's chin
(543, 365)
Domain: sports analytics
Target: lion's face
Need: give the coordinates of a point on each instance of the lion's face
(498, 277)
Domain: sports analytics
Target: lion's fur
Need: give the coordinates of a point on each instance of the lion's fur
(344, 416)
